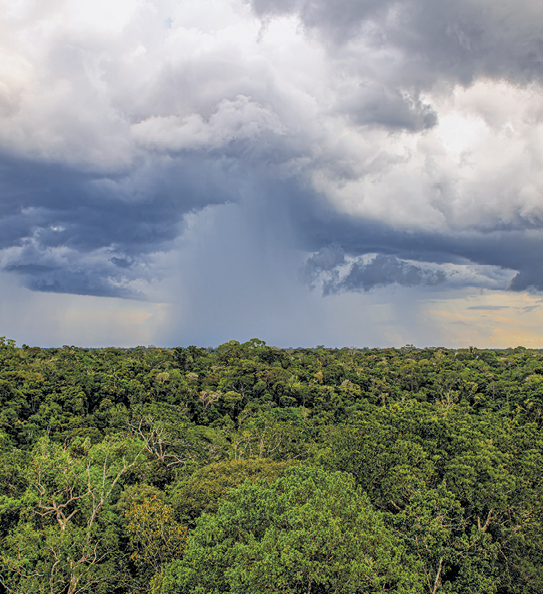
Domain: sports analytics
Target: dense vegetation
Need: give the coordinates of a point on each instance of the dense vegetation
(251, 469)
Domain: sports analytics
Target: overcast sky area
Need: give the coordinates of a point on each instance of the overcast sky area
(338, 172)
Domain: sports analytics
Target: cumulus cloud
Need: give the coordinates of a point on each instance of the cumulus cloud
(232, 120)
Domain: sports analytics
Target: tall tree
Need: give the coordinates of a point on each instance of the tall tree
(66, 541)
(308, 532)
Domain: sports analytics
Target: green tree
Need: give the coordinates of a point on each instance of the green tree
(310, 531)
(155, 536)
(203, 490)
(265, 432)
(65, 541)
(455, 557)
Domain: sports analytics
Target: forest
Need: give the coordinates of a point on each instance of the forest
(250, 469)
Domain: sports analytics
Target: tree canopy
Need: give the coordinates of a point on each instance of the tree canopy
(309, 531)
(247, 467)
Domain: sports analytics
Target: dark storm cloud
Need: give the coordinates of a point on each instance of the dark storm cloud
(70, 231)
(515, 250)
(328, 259)
(376, 105)
(136, 208)
(125, 219)
(85, 282)
(381, 271)
(123, 139)
(462, 39)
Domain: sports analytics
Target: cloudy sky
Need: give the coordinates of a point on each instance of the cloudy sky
(339, 172)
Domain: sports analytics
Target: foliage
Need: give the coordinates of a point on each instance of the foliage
(202, 491)
(309, 531)
(155, 536)
(64, 537)
(110, 457)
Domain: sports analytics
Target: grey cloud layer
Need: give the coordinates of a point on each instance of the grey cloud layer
(348, 129)
(76, 232)
(462, 39)
(362, 275)
(510, 258)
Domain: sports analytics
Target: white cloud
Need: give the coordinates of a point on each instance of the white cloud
(241, 119)
(480, 166)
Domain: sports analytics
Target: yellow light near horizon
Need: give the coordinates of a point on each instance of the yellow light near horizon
(497, 319)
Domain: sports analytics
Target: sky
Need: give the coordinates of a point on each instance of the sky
(360, 173)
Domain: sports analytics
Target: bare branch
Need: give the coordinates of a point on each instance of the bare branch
(436, 583)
